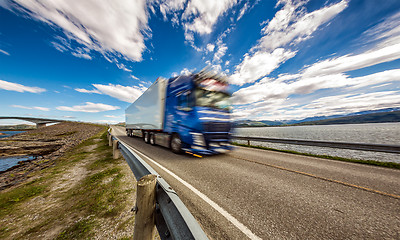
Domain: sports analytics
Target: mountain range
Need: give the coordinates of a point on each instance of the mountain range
(373, 116)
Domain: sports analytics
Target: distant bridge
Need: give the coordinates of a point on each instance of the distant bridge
(40, 122)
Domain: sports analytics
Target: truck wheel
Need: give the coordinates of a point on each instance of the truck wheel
(146, 137)
(176, 144)
(152, 139)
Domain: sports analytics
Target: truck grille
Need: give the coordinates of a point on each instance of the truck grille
(216, 137)
(210, 127)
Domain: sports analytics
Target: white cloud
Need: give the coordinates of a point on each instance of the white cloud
(258, 65)
(352, 62)
(219, 48)
(261, 98)
(210, 47)
(186, 72)
(19, 88)
(82, 55)
(112, 28)
(122, 67)
(343, 104)
(324, 75)
(243, 11)
(123, 93)
(170, 6)
(376, 78)
(387, 32)
(35, 108)
(134, 77)
(283, 109)
(112, 116)
(196, 16)
(89, 107)
(222, 48)
(203, 14)
(279, 89)
(87, 91)
(292, 24)
(107, 121)
(4, 52)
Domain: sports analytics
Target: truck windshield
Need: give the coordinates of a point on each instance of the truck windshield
(212, 99)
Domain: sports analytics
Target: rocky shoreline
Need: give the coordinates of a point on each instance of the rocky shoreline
(46, 144)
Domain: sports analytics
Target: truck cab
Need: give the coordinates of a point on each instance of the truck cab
(197, 114)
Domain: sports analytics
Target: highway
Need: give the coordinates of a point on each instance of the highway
(259, 194)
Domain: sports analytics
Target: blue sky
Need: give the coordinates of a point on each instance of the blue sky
(88, 60)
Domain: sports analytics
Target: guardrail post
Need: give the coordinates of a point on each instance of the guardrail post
(145, 208)
(110, 141)
(248, 142)
(116, 153)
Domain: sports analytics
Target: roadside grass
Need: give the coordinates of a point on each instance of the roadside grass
(81, 208)
(368, 162)
(9, 199)
(79, 230)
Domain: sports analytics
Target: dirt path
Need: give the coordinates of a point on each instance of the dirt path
(84, 194)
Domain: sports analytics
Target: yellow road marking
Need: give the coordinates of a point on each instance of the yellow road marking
(324, 178)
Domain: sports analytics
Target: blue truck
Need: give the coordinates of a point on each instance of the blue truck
(188, 113)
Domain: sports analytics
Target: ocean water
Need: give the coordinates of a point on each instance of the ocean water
(8, 162)
(9, 133)
(378, 133)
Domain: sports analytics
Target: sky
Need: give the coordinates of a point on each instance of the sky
(88, 60)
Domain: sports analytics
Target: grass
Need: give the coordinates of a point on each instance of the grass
(99, 194)
(79, 230)
(368, 162)
(8, 200)
(98, 197)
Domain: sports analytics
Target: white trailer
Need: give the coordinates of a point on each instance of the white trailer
(147, 112)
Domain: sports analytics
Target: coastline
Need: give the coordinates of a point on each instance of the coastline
(84, 194)
(46, 144)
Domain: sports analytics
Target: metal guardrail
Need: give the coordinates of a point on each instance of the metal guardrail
(173, 219)
(342, 145)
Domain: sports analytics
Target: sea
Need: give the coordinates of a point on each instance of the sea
(9, 133)
(8, 162)
(378, 133)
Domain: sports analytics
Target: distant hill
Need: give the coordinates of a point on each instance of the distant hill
(121, 124)
(250, 123)
(364, 118)
(373, 116)
(317, 118)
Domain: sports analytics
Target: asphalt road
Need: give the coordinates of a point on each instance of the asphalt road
(273, 195)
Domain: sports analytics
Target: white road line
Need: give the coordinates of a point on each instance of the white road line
(222, 211)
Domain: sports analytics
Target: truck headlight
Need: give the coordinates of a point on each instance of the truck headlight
(198, 139)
